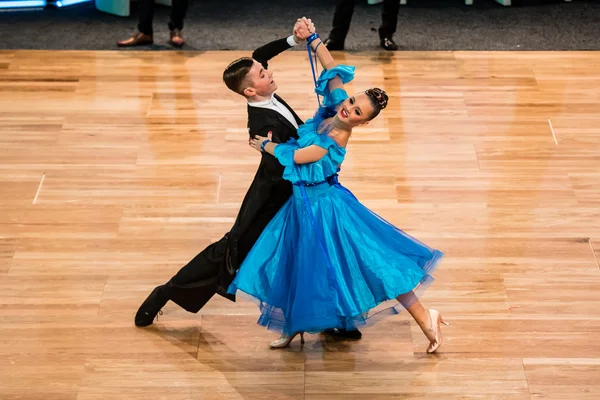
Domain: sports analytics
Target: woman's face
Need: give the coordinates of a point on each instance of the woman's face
(355, 110)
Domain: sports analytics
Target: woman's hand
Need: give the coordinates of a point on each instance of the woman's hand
(303, 29)
(257, 142)
(310, 25)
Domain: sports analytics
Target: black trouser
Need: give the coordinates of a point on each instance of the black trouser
(343, 16)
(146, 14)
(196, 282)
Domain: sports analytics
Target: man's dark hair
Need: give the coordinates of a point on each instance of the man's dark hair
(235, 74)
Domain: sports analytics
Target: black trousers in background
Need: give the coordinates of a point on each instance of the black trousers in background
(343, 16)
(146, 15)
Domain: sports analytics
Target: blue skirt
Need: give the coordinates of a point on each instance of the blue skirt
(326, 261)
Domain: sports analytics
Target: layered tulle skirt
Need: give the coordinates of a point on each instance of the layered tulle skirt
(326, 261)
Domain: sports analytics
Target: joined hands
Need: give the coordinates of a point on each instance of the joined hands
(303, 28)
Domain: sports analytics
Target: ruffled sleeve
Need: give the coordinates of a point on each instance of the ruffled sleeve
(333, 98)
(312, 172)
(284, 152)
(336, 96)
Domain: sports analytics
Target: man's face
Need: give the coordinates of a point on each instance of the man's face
(261, 81)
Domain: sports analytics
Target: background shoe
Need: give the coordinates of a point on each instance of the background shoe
(333, 45)
(176, 38)
(139, 39)
(388, 44)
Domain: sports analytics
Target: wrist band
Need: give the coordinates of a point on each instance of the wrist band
(262, 146)
(312, 38)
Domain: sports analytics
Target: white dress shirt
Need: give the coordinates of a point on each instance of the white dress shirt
(275, 105)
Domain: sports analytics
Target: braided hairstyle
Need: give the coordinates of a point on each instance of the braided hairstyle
(379, 100)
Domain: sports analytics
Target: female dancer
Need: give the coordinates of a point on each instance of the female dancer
(325, 260)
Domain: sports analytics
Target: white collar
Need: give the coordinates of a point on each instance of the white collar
(264, 102)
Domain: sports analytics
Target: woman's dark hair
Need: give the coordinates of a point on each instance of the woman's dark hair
(379, 100)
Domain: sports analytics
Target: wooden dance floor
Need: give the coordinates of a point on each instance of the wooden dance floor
(116, 168)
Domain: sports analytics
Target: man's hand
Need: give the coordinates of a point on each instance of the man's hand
(303, 29)
(257, 142)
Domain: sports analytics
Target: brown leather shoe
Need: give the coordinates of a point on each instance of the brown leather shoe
(176, 38)
(139, 39)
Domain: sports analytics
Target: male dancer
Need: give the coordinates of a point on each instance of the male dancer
(214, 268)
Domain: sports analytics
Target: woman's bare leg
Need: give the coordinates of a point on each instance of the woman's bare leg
(428, 320)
